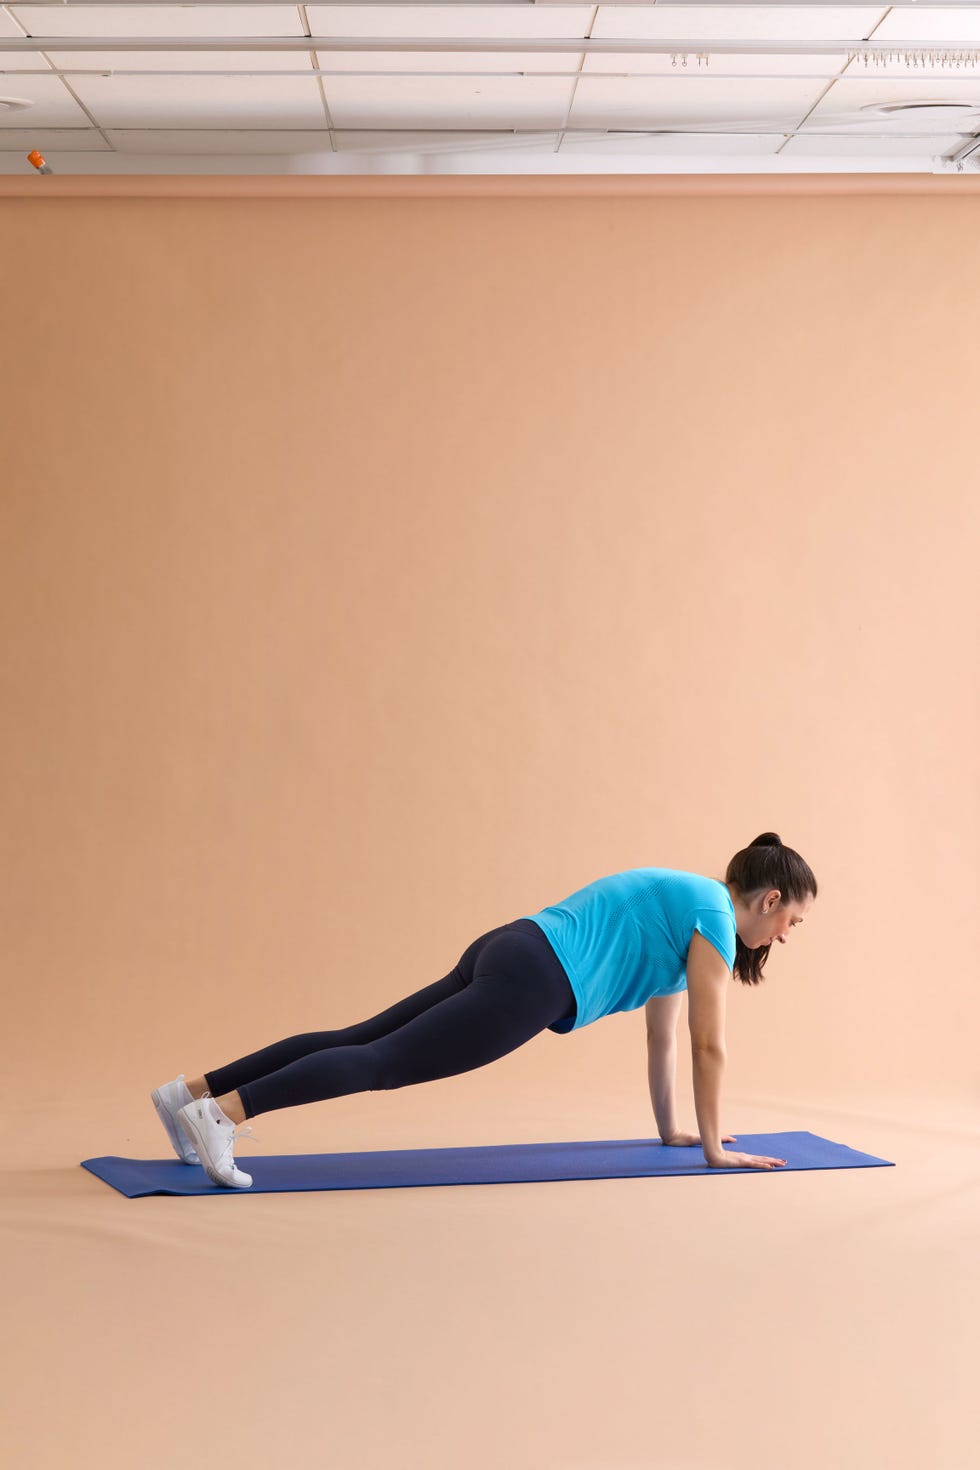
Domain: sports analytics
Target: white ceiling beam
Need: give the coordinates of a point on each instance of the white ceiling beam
(608, 45)
(661, 5)
(525, 72)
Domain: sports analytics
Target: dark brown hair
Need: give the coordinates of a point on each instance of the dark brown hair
(765, 864)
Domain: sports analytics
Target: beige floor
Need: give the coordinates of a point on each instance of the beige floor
(723, 1322)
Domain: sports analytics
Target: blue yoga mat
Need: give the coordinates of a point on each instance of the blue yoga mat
(507, 1163)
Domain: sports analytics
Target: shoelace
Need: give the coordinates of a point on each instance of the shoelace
(228, 1155)
(243, 1130)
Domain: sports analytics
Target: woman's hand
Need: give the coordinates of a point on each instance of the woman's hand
(688, 1140)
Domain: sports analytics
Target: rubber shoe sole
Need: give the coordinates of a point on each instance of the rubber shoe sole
(168, 1100)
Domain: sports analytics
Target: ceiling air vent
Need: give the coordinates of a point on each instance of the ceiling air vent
(944, 113)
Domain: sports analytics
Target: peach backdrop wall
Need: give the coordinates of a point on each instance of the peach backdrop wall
(378, 570)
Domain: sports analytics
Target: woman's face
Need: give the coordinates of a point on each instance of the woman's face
(769, 922)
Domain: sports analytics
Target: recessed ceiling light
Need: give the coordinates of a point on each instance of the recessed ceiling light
(15, 103)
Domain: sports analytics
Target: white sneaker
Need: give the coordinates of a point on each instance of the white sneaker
(213, 1133)
(168, 1100)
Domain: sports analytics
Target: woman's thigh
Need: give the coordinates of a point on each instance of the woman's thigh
(511, 991)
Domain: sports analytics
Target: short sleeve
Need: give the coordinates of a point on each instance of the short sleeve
(717, 927)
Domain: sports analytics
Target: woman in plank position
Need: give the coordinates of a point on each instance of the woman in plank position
(635, 938)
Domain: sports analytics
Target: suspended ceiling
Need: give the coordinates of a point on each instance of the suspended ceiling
(492, 88)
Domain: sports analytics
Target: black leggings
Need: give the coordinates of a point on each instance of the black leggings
(507, 986)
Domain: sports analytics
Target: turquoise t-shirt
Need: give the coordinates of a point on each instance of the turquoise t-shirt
(624, 938)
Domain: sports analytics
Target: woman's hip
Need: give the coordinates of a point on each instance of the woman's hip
(519, 950)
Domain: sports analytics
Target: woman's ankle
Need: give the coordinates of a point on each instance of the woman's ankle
(196, 1086)
(231, 1105)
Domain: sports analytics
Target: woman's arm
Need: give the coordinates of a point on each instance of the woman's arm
(661, 1072)
(707, 989)
(662, 1012)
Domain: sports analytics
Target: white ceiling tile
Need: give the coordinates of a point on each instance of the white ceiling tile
(441, 141)
(756, 66)
(201, 102)
(24, 62)
(64, 140)
(434, 102)
(675, 102)
(219, 141)
(182, 61)
(53, 105)
(443, 62)
(859, 147)
(673, 145)
(508, 22)
(736, 22)
(159, 20)
(937, 23)
(316, 142)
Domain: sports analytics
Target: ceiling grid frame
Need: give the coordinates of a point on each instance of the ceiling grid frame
(462, 145)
